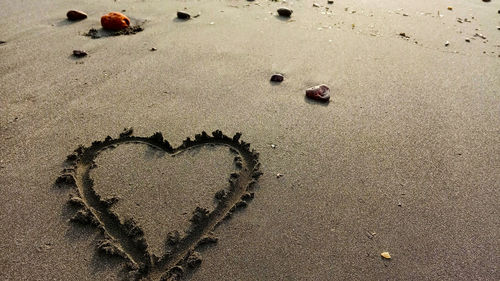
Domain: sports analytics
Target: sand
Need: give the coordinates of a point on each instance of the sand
(405, 158)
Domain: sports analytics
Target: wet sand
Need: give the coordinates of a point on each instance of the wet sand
(405, 158)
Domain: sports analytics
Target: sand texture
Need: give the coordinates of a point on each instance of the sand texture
(228, 176)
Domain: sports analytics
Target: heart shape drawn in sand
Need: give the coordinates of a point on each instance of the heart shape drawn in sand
(125, 238)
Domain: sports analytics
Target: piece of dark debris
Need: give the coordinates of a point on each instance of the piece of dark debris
(79, 53)
(403, 34)
(183, 15)
(480, 35)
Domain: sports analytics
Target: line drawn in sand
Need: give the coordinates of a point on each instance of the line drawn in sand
(125, 238)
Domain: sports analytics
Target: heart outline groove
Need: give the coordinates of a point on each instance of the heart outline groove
(125, 238)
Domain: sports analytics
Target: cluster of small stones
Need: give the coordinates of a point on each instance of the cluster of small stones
(175, 242)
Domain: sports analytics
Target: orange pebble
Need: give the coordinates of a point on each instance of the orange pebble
(115, 21)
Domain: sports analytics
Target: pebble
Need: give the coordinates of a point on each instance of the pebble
(279, 175)
(183, 15)
(115, 21)
(316, 5)
(285, 12)
(319, 93)
(450, 8)
(467, 40)
(2, 42)
(79, 53)
(447, 43)
(273, 145)
(331, 2)
(277, 78)
(76, 15)
(153, 49)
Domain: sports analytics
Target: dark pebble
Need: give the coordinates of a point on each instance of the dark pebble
(319, 93)
(79, 53)
(277, 78)
(153, 49)
(183, 15)
(2, 42)
(285, 12)
(76, 15)
(330, 1)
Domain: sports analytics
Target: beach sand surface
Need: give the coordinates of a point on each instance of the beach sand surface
(405, 158)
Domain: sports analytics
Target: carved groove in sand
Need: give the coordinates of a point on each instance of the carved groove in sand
(126, 239)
